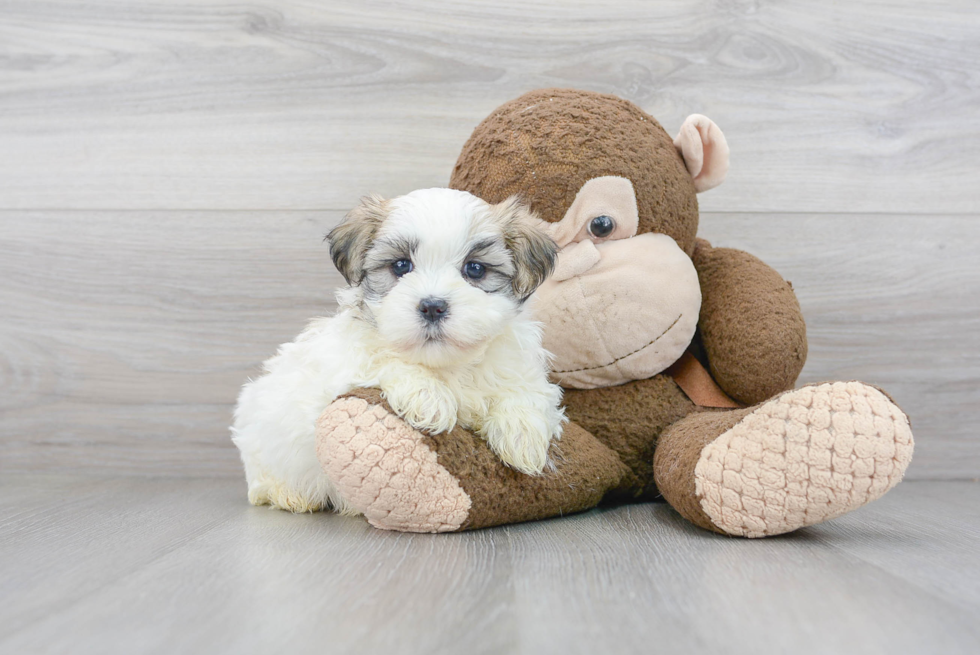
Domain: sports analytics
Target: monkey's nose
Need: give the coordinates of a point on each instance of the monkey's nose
(433, 309)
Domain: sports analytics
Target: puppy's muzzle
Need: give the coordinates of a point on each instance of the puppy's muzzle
(433, 310)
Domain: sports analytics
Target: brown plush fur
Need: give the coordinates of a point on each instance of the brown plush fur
(628, 419)
(546, 144)
(677, 454)
(751, 325)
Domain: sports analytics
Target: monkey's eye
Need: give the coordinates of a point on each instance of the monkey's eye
(602, 226)
(475, 270)
(401, 267)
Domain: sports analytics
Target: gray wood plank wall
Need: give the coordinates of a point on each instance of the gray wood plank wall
(168, 170)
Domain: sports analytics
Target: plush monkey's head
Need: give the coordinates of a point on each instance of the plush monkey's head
(621, 198)
(546, 144)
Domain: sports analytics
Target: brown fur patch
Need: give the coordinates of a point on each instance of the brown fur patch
(350, 240)
(534, 252)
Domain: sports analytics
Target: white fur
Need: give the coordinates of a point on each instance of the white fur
(487, 371)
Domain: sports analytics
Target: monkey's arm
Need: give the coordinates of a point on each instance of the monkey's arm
(751, 325)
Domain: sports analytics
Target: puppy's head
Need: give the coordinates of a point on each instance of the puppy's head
(439, 272)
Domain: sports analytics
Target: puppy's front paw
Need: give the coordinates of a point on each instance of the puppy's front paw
(520, 439)
(424, 403)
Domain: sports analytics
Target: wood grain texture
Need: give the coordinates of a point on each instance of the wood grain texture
(126, 335)
(168, 565)
(853, 106)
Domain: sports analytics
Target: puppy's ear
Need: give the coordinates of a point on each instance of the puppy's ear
(534, 251)
(350, 240)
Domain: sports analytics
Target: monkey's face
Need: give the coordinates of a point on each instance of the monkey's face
(620, 198)
(619, 306)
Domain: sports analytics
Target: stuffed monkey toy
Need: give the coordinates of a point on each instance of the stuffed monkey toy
(678, 359)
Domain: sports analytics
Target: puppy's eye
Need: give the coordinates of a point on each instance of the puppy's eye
(602, 226)
(475, 270)
(401, 267)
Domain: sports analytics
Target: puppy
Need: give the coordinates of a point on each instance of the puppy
(434, 315)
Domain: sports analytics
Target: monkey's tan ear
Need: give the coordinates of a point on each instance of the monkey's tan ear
(533, 250)
(705, 151)
(349, 241)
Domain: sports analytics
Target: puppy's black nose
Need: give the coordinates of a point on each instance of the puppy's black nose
(433, 309)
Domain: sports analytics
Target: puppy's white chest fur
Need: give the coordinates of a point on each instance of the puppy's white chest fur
(496, 390)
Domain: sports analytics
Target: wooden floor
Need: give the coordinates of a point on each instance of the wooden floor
(136, 565)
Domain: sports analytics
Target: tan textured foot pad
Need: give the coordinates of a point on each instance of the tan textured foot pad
(383, 469)
(804, 457)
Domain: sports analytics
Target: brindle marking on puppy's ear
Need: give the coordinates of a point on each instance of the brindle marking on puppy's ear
(350, 240)
(534, 251)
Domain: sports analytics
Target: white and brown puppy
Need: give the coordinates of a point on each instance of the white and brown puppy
(434, 316)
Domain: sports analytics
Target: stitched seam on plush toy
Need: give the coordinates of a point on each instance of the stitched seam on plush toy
(618, 359)
(525, 151)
